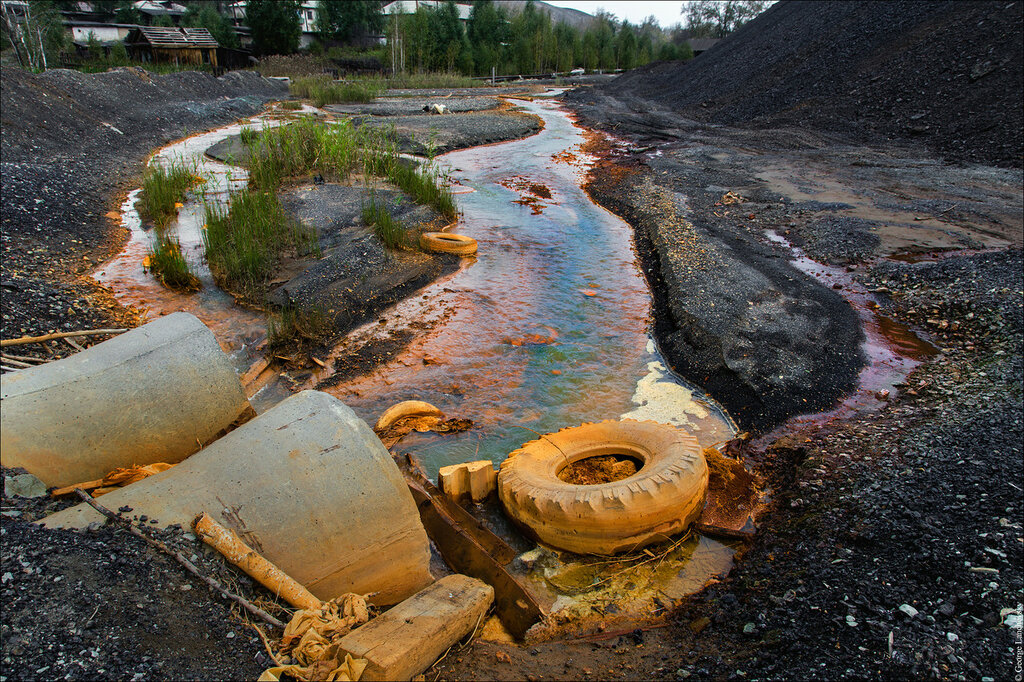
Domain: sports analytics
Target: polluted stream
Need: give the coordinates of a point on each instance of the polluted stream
(547, 327)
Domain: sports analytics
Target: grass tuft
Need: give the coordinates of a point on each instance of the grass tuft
(293, 327)
(163, 189)
(388, 230)
(245, 242)
(248, 135)
(168, 264)
(291, 105)
(324, 90)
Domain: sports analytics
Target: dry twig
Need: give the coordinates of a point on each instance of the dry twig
(189, 566)
(57, 335)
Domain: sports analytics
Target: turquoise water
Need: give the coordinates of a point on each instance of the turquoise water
(546, 328)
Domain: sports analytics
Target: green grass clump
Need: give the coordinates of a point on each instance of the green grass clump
(168, 264)
(291, 105)
(293, 327)
(434, 79)
(302, 147)
(388, 230)
(249, 135)
(245, 242)
(163, 188)
(323, 90)
(424, 187)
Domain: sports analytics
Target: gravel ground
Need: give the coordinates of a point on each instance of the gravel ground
(99, 605)
(104, 605)
(891, 541)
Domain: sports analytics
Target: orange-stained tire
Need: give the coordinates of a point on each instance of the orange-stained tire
(662, 499)
(445, 242)
(406, 408)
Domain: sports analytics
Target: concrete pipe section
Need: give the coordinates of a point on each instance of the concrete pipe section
(306, 484)
(152, 394)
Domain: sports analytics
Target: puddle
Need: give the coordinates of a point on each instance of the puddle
(892, 349)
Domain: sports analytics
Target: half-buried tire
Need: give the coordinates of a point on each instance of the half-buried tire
(445, 242)
(661, 499)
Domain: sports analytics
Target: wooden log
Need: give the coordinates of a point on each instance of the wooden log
(259, 569)
(57, 335)
(407, 639)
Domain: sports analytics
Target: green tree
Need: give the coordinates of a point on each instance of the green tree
(448, 35)
(486, 30)
(274, 24)
(625, 47)
(126, 13)
(604, 34)
(348, 20)
(205, 15)
(37, 35)
(566, 40)
(719, 18)
(590, 51)
(94, 47)
(119, 54)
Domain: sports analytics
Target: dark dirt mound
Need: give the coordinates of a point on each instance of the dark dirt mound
(944, 74)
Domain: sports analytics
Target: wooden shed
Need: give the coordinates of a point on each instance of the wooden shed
(176, 45)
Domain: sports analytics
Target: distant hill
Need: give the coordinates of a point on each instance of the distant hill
(573, 17)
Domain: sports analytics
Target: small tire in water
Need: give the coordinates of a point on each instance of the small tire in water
(662, 499)
(445, 242)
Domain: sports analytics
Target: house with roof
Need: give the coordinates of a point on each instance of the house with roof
(410, 7)
(177, 45)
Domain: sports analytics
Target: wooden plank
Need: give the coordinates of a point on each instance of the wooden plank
(476, 553)
(406, 640)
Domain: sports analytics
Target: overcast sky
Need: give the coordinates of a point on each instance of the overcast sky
(634, 11)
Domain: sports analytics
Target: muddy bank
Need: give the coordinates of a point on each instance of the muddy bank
(411, 106)
(733, 317)
(71, 142)
(356, 276)
(426, 135)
